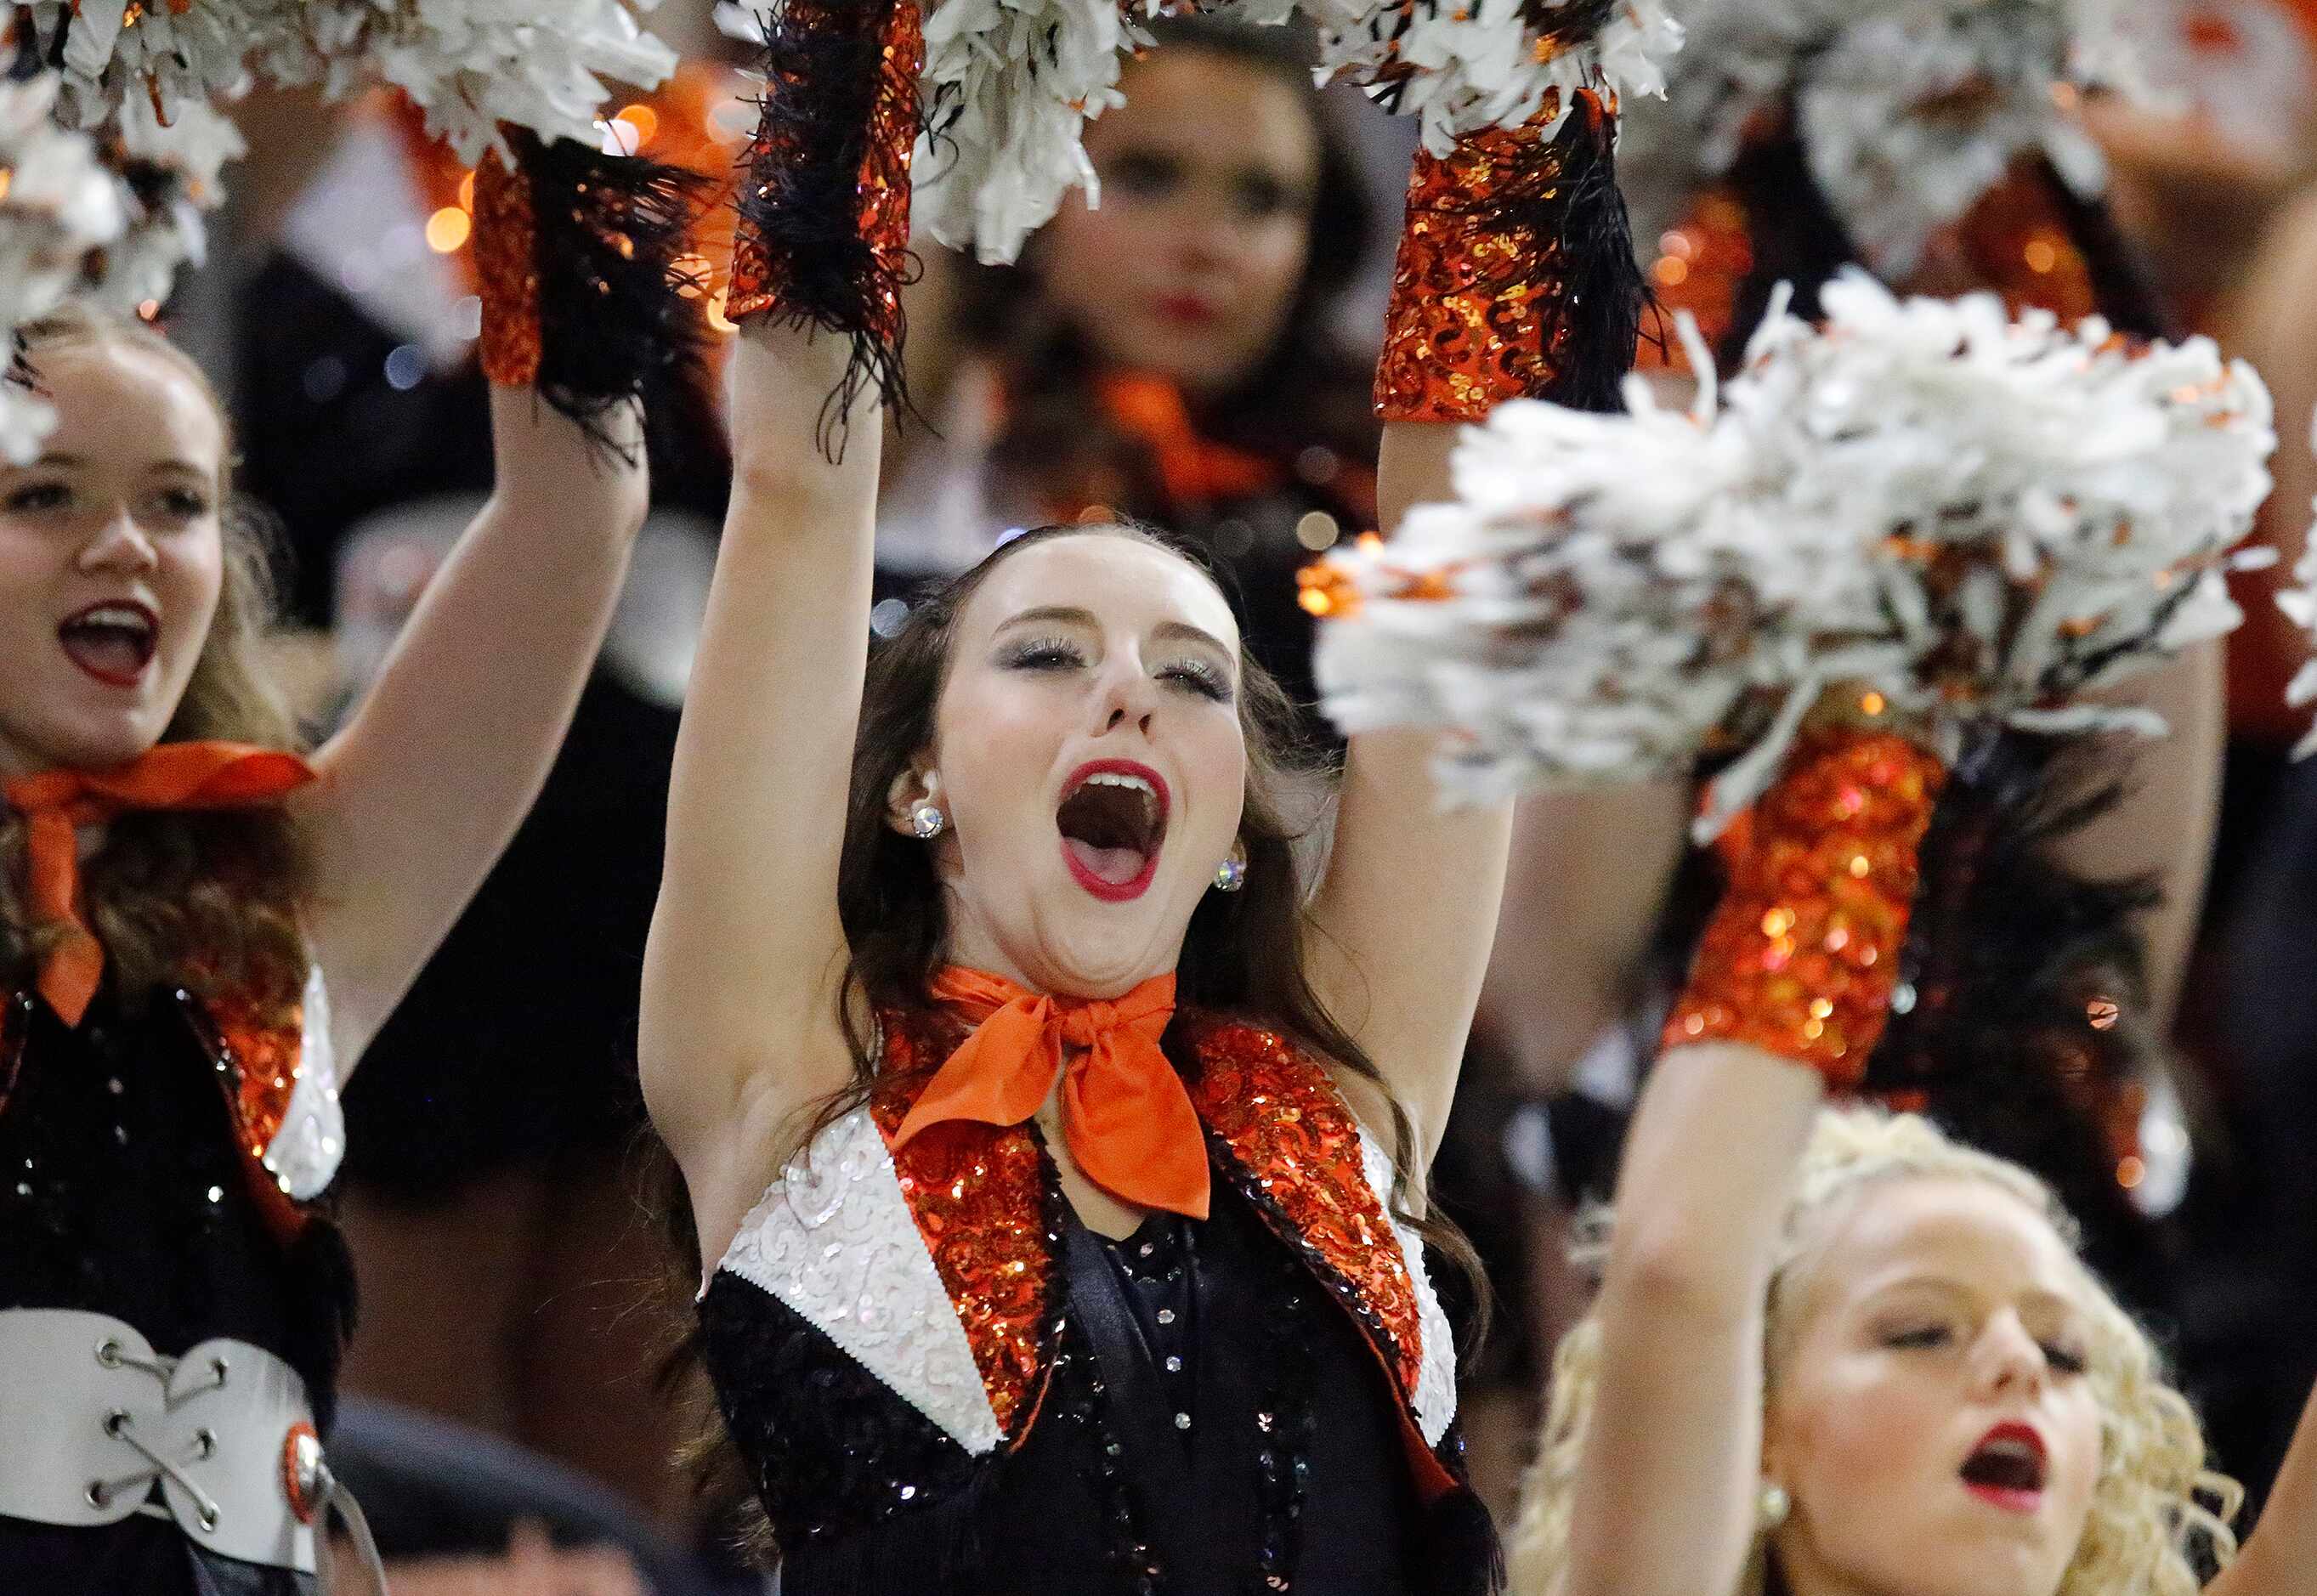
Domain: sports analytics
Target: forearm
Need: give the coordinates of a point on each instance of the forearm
(2281, 1556)
(745, 938)
(1663, 1501)
(1408, 908)
(2164, 826)
(437, 768)
(1584, 892)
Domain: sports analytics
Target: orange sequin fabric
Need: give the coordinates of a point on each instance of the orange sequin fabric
(258, 1052)
(979, 1194)
(1481, 308)
(760, 272)
(2014, 242)
(1285, 1124)
(1296, 1150)
(1800, 958)
(507, 266)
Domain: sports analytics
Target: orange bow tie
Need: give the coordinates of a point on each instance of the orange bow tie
(171, 776)
(1126, 1118)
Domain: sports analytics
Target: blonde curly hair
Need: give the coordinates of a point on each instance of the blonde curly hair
(2154, 1495)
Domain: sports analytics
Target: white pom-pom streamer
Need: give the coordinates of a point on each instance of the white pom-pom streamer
(1977, 518)
(1908, 111)
(472, 63)
(1008, 88)
(60, 205)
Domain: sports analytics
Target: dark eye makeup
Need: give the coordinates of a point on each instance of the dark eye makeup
(31, 497)
(1061, 654)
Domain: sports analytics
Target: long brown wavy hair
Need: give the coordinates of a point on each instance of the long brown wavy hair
(1243, 954)
(205, 900)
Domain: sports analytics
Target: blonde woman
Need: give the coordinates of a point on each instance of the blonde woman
(1837, 1354)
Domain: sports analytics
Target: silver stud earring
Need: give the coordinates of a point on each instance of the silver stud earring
(926, 819)
(1770, 1510)
(1232, 874)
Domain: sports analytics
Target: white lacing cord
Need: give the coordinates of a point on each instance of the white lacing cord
(329, 1497)
(120, 1426)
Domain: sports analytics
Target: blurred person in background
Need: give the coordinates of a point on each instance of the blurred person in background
(2218, 189)
(1172, 354)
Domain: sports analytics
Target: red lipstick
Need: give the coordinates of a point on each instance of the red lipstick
(1088, 840)
(2005, 1470)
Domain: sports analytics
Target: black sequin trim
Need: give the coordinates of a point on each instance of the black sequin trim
(846, 1453)
(1285, 1422)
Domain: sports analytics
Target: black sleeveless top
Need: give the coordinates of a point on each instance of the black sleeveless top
(1214, 1426)
(122, 1193)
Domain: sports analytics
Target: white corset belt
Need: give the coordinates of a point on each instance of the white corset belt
(94, 1419)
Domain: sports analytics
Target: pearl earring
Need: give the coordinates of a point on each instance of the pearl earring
(1771, 1508)
(926, 819)
(1232, 874)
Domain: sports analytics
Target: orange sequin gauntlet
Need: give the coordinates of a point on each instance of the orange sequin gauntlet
(823, 229)
(1515, 276)
(1801, 956)
(580, 257)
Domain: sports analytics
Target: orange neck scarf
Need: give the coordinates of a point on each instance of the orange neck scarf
(171, 776)
(1126, 1118)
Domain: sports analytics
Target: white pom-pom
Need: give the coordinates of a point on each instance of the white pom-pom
(1980, 520)
(471, 65)
(179, 58)
(1908, 111)
(1461, 66)
(182, 162)
(58, 205)
(1008, 87)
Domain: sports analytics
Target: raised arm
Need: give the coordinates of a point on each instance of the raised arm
(2280, 1556)
(1407, 907)
(1662, 1487)
(740, 972)
(427, 782)
(745, 965)
(1671, 1467)
(1491, 301)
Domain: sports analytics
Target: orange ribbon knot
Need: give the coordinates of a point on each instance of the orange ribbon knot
(1126, 1118)
(171, 776)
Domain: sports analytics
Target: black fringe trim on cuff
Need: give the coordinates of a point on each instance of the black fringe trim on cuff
(1603, 294)
(2029, 1022)
(620, 317)
(818, 157)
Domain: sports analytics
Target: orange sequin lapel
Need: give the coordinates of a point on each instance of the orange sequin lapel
(987, 1204)
(983, 1197)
